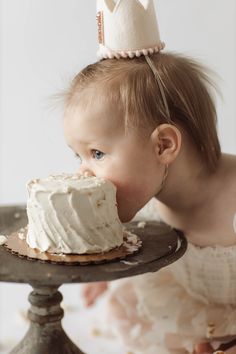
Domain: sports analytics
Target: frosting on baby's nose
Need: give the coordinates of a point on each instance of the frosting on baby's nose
(86, 173)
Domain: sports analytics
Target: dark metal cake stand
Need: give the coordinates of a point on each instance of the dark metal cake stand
(161, 246)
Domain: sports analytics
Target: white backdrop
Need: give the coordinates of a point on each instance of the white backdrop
(42, 45)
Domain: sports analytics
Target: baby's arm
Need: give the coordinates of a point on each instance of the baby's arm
(92, 291)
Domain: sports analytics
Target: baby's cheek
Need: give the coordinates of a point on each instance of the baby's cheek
(131, 195)
(130, 199)
(124, 191)
(127, 190)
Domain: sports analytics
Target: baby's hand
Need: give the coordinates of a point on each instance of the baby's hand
(205, 348)
(92, 291)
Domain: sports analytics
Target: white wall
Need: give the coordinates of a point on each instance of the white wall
(206, 29)
(44, 43)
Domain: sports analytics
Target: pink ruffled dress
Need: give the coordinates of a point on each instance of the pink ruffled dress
(170, 311)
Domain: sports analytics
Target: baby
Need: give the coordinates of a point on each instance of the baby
(120, 127)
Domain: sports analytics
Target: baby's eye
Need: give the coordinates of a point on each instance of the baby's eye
(97, 155)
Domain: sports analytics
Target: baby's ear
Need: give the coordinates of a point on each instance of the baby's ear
(166, 140)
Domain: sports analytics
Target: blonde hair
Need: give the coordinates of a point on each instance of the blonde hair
(131, 84)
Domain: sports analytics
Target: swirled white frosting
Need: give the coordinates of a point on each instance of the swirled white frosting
(73, 214)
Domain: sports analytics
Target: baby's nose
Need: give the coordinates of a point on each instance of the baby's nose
(85, 171)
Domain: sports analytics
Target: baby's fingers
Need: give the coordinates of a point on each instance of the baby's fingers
(231, 350)
(92, 291)
(227, 348)
(203, 348)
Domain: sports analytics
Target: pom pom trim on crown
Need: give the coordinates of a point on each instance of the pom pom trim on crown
(106, 53)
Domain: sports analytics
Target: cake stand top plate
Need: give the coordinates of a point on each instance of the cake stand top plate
(161, 246)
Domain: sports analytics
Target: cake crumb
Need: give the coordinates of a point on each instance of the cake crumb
(141, 224)
(3, 240)
(96, 332)
(23, 315)
(129, 263)
(17, 215)
(21, 236)
(210, 330)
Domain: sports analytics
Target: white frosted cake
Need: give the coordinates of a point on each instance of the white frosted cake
(73, 214)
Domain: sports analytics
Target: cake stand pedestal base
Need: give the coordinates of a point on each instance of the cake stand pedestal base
(46, 335)
(161, 246)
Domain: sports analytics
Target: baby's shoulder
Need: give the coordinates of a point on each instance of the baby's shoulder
(224, 201)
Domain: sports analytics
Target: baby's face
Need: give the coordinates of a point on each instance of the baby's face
(96, 135)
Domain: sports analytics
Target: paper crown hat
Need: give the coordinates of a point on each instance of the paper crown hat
(127, 28)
